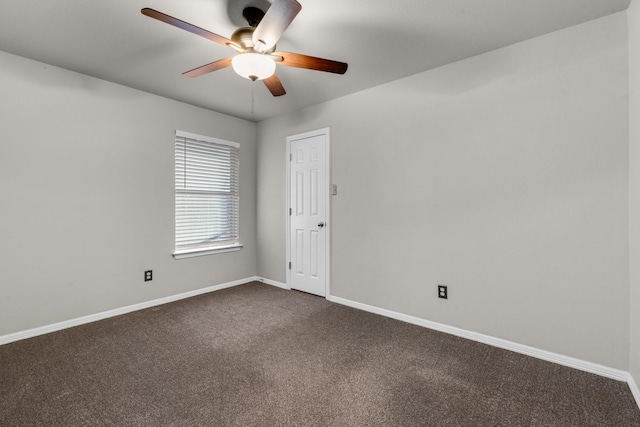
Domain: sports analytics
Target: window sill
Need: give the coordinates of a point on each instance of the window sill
(208, 251)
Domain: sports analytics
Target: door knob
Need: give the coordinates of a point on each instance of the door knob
(321, 224)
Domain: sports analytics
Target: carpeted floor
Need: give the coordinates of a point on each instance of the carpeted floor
(255, 355)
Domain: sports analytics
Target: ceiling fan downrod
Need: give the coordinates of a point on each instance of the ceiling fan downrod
(253, 15)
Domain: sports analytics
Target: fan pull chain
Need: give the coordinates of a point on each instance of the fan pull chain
(253, 118)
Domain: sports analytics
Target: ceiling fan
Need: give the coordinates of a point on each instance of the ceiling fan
(255, 45)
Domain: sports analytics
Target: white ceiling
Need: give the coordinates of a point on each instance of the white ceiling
(380, 40)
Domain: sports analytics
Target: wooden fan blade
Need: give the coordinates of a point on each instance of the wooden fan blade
(274, 85)
(297, 60)
(209, 68)
(275, 21)
(186, 26)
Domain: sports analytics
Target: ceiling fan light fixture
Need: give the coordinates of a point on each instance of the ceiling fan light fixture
(253, 66)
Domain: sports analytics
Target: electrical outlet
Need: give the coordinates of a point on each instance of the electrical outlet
(442, 291)
(148, 275)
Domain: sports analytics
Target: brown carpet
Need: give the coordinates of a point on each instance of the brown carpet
(255, 355)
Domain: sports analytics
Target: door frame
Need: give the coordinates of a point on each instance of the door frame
(328, 226)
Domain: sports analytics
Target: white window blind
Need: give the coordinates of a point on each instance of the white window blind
(207, 183)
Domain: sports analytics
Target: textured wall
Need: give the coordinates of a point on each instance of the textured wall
(504, 176)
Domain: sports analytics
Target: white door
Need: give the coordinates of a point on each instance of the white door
(308, 228)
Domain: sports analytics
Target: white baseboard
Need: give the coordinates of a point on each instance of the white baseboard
(496, 342)
(17, 336)
(634, 389)
(273, 283)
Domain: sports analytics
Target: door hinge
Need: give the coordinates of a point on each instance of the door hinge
(290, 211)
(289, 265)
(290, 157)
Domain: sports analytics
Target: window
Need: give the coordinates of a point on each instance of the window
(207, 199)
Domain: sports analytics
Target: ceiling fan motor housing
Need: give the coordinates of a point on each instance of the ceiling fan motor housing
(243, 37)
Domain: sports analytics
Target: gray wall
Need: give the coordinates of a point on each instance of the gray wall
(504, 176)
(86, 176)
(634, 190)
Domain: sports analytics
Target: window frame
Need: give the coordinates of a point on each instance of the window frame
(223, 246)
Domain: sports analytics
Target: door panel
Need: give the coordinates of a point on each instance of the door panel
(308, 193)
